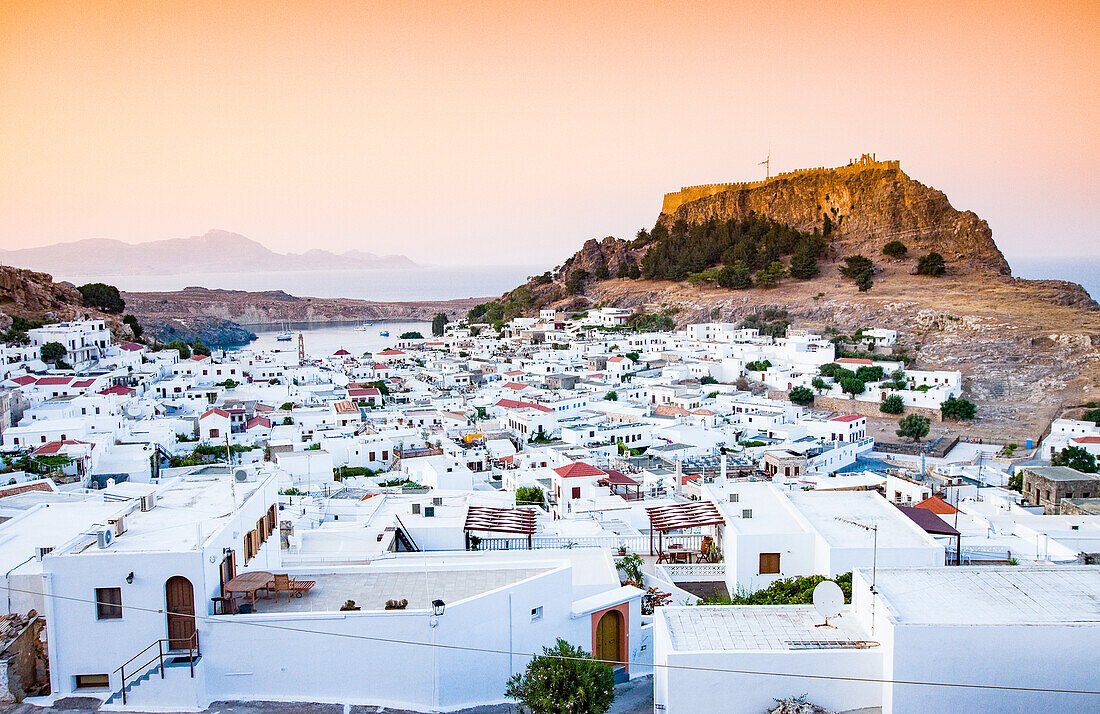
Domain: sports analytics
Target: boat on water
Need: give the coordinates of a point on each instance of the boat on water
(285, 336)
(364, 326)
(384, 333)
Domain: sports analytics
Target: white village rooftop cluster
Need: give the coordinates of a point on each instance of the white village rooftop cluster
(406, 527)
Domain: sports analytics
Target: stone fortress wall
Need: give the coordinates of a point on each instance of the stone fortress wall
(691, 193)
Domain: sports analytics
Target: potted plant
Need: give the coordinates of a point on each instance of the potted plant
(397, 604)
(349, 605)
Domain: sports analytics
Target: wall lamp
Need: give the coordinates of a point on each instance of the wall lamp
(130, 578)
(438, 606)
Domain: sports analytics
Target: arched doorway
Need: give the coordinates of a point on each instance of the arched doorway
(608, 635)
(179, 602)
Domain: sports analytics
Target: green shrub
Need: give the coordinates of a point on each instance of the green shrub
(102, 296)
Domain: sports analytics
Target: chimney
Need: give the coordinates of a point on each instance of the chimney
(679, 489)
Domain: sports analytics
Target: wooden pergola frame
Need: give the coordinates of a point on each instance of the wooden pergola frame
(663, 519)
(520, 521)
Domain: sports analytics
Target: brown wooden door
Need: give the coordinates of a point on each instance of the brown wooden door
(228, 569)
(179, 601)
(607, 637)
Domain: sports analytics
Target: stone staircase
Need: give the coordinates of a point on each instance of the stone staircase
(151, 690)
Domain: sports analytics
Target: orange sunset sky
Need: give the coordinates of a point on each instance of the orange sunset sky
(510, 132)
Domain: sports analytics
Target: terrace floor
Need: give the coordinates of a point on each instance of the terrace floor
(371, 590)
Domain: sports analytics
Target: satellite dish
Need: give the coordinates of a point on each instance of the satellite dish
(828, 600)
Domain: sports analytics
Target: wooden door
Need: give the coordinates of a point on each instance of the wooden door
(228, 569)
(179, 601)
(607, 637)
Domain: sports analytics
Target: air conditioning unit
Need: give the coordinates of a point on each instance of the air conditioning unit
(429, 511)
(148, 501)
(104, 537)
(118, 525)
(735, 497)
(437, 501)
(746, 513)
(416, 509)
(241, 475)
(42, 551)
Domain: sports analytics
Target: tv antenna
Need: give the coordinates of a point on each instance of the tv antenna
(874, 562)
(828, 601)
(767, 164)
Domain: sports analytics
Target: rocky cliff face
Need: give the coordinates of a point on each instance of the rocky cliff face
(869, 205)
(35, 296)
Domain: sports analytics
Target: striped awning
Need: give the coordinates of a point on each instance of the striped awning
(500, 520)
(684, 515)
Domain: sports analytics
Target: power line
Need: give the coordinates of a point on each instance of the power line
(488, 650)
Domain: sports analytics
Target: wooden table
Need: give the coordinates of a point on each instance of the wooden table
(678, 555)
(249, 584)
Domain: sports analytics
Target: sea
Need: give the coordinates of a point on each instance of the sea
(1084, 271)
(322, 339)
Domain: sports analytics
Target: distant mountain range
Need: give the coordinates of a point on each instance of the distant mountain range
(214, 252)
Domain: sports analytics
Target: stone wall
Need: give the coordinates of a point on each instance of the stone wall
(23, 660)
(855, 406)
(691, 193)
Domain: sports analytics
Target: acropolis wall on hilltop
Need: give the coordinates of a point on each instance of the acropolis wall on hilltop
(691, 193)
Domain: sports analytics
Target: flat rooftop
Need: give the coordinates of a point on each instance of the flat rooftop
(1060, 473)
(824, 509)
(188, 510)
(372, 587)
(990, 595)
(759, 627)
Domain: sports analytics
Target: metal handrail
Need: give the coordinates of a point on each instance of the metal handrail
(192, 652)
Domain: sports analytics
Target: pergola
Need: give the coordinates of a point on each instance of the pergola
(500, 520)
(622, 485)
(697, 514)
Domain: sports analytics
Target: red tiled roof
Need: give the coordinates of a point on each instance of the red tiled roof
(54, 447)
(379, 366)
(340, 353)
(258, 421)
(578, 468)
(846, 418)
(670, 410)
(81, 383)
(703, 412)
(516, 385)
(514, 404)
(131, 346)
(54, 381)
(117, 389)
(390, 352)
(615, 359)
(24, 380)
(215, 410)
(1086, 440)
(936, 505)
(853, 360)
(364, 392)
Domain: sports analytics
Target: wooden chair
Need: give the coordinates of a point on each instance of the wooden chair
(291, 586)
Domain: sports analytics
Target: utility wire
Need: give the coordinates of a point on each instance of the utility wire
(487, 650)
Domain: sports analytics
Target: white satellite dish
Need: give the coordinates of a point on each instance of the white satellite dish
(828, 600)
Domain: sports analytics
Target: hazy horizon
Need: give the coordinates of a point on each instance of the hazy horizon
(509, 133)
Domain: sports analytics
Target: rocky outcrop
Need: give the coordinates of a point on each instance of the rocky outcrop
(35, 296)
(213, 331)
(870, 204)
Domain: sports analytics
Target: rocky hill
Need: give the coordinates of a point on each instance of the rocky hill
(1029, 348)
(35, 296)
(870, 203)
